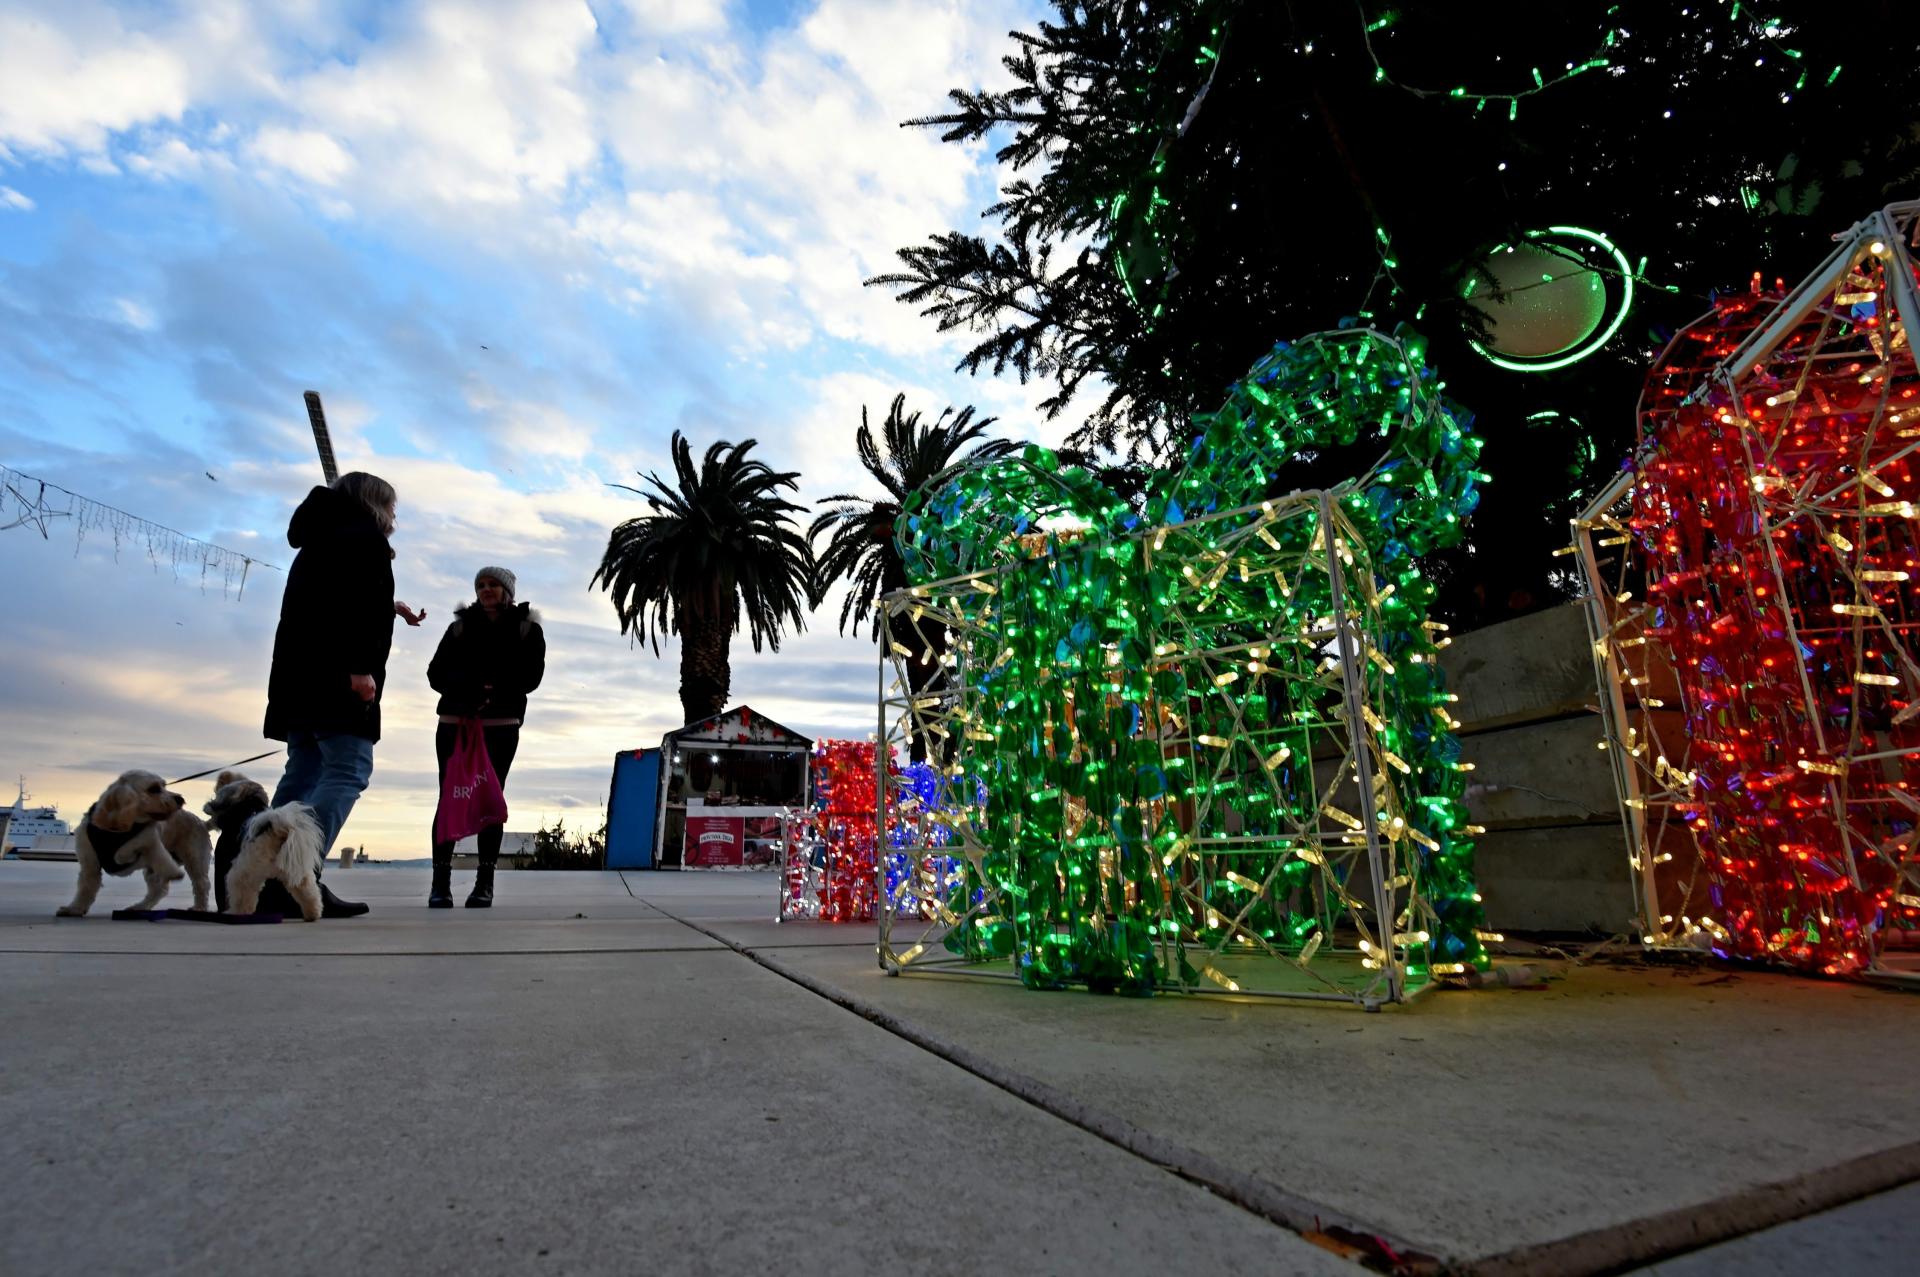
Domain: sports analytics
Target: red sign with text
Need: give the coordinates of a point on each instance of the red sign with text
(715, 840)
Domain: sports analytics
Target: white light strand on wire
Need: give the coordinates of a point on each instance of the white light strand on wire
(33, 502)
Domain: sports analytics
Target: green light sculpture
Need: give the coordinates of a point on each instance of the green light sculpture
(1213, 730)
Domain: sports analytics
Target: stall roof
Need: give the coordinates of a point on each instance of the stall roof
(740, 725)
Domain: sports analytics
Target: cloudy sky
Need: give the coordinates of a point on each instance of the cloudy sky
(514, 244)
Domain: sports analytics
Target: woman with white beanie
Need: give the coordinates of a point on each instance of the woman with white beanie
(492, 655)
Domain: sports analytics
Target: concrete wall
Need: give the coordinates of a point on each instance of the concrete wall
(1554, 857)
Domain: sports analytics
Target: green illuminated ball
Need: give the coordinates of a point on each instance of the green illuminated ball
(1551, 302)
(1143, 257)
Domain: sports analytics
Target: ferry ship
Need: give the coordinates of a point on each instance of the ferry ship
(24, 825)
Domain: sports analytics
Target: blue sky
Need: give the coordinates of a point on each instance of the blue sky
(514, 244)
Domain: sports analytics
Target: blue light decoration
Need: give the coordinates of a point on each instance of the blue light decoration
(914, 885)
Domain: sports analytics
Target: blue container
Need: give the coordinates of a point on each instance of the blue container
(633, 809)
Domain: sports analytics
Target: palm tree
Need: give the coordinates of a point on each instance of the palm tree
(860, 547)
(718, 545)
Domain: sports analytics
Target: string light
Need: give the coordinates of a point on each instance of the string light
(1137, 240)
(1622, 270)
(26, 501)
(1604, 55)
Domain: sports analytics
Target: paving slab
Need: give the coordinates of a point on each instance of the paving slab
(578, 1084)
(739, 905)
(1472, 1124)
(535, 912)
(661, 1113)
(1878, 1235)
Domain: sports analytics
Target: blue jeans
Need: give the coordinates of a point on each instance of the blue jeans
(328, 773)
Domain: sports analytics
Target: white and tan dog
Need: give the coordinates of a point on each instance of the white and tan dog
(138, 823)
(284, 843)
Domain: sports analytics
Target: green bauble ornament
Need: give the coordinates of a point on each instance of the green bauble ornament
(1538, 302)
(1550, 299)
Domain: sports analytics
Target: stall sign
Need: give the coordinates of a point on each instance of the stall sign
(715, 840)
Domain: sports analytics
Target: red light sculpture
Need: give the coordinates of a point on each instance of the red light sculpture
(828, 870)
(1756, 630)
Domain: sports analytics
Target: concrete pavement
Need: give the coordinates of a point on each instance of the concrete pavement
(643, 1072)
(1868, 1238)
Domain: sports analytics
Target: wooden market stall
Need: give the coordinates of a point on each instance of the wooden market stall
(710, 797)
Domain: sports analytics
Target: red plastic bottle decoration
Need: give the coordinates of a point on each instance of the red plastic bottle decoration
(842, 825)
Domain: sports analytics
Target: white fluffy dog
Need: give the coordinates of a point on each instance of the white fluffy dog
(282, 842)
(137, 823)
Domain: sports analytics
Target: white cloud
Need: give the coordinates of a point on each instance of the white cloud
(820, 441)
(304, 152)
(688, 254)
(801, 152)
(465, 104)
(749, 180)
(73, 74)
(676, 17)
(522, 428)
(135, 315)
(175, 160)
(10, 198)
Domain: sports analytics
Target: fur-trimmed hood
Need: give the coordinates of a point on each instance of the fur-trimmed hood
(525, 611)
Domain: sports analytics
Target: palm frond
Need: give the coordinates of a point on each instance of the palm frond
(907, 456)
(720, 542)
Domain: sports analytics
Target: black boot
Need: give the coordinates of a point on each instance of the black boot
(332, 906)
(481, 897)
(440, 894)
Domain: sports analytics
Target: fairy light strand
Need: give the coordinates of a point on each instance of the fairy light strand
(1604, 56)
(28, 501)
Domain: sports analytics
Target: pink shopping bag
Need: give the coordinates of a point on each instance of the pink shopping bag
(471, 799)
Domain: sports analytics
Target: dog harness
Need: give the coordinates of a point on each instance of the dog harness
(107, 844)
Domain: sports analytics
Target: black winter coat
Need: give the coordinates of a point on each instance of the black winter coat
(336, 620)
(510, 652)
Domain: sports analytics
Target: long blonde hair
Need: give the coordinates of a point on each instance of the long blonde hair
(373, 492)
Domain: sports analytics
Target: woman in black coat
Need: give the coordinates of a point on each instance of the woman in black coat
(492, 655)
(330, 652)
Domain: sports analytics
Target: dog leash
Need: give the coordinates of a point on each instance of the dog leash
(226, 767)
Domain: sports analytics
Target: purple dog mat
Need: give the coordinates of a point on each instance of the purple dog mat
(193, 915)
